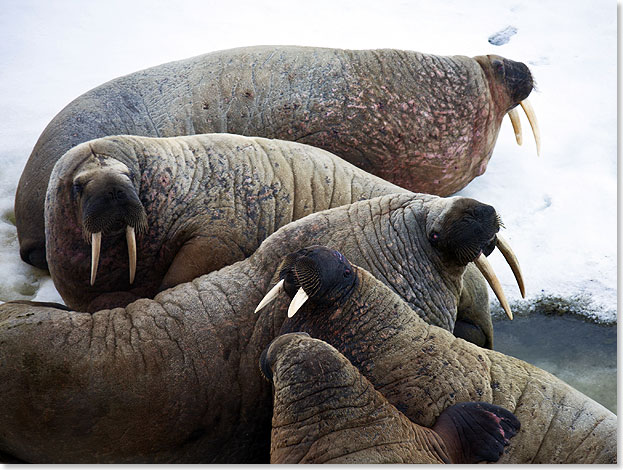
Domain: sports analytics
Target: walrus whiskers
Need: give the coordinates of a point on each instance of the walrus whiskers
(486, 269)
(96, 243)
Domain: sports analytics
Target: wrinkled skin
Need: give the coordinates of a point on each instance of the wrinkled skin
(207, 202)
(427, 123)
(176, 378)
(326, 412)
(422, 369)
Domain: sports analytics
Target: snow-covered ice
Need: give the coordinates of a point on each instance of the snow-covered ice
(559, 209)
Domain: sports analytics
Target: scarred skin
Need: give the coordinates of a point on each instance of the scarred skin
(422, 370)
(325, 412)
(209, 201)
(176, 379)
(427, 123)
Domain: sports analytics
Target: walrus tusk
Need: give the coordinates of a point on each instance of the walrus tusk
(272, 294)
(512, 261)
(297, 302)
(131, 238)
(527, 107)
(486, 269)
(96, 242)
(513, 114)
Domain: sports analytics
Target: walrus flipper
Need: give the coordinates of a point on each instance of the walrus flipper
(476, 431)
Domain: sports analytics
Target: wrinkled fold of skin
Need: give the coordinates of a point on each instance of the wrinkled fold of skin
(422, 370)
(176, 379)
(427, 123)
(194, 203)
(325, 411)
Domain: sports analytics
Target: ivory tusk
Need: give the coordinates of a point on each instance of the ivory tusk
(272, 294)
(513, 114)
(96, 243)
(512, 261)
(486, 269)
(131, 238)
(527, 107)
(297, 302)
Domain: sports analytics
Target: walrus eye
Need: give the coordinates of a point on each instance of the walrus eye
(498, 66)
(76, 190)
(433, 238)
(347, 272)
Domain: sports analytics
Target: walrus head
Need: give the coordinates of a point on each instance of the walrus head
(510, 83)
(107, 202)
(314, 272)
(466, 231)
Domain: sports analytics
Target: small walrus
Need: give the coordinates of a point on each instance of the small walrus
(427, 123)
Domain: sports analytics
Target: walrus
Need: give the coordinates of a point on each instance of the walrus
(84, 387)
(422, 369)
(324, 411)
(424, 122)
(130, 216)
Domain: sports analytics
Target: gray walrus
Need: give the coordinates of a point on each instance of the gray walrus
(422, 369)
(427, 123)
(324, 411)
(82, 387)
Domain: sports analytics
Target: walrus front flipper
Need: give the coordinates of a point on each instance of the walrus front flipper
(476, 431)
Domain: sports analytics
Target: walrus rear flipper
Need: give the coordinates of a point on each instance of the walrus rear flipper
(476, 431)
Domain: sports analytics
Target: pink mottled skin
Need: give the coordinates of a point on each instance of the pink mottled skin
(427, 123)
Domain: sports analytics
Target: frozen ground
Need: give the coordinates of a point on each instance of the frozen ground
(559, 210)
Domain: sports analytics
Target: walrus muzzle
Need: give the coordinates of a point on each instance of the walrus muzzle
(111, 212)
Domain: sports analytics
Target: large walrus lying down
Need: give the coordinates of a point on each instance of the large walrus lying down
(176, 378)
(128, 216)
(420, 369)
(427, 123)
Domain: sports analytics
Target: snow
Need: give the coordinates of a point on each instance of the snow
(559, 209)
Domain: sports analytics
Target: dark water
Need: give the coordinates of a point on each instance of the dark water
(581, 353)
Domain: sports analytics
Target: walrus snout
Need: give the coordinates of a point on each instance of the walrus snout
(467, 231)
(518, 79)
(112, 211)
(315, 272)
(110, 206)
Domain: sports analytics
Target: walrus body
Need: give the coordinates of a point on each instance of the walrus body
(200, 203)
(176, 378)
(422, 369)
(427, 123)
(324, 411)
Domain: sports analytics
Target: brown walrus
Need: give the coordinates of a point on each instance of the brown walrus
(427, 123)
(128, 216)
(324, 411)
